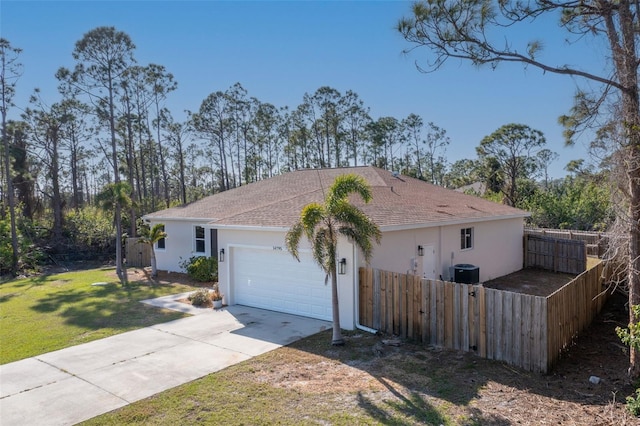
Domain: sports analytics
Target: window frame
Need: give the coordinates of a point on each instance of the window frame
(197, 239)
(467, 238)
(161, 240)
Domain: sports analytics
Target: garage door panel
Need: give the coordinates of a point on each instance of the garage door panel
(273, 279)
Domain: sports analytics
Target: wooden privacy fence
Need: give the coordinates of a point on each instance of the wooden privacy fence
(596, 242)
(554, 254)
(527, 331)
(571, 308)
(137, 253)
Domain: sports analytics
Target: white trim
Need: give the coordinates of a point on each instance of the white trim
(472, 234)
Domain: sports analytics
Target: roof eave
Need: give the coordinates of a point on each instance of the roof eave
(249, 227)
(387, 228)
(184, 219)
(459, 221)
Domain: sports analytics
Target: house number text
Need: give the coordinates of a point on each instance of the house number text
(277, 248)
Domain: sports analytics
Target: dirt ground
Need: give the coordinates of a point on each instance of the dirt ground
(534, 281)
(471, 389)
(537, 282)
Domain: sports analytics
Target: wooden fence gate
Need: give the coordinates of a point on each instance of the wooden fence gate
(137, 253)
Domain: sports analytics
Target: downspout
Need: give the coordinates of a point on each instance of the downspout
(356, 285)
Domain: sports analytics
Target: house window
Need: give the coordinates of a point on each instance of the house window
(199, 239)
(466, 238)
(160, 244)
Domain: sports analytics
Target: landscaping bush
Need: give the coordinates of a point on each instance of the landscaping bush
(201, 268)
(200, 297)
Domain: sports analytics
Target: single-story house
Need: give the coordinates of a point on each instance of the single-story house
(426, 229)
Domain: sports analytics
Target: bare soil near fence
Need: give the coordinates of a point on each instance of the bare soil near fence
(536, 282)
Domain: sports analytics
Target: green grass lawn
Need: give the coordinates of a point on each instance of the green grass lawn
(50, 312)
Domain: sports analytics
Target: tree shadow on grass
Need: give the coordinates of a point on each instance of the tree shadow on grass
(396, 412)
(7, 297)
(106, 306)
(26, 284)
(35, 281)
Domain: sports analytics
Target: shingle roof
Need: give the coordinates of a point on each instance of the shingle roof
(398, 202)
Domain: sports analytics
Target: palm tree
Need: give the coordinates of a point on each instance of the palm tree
(151, 237)
(322, 224)
(116, 196)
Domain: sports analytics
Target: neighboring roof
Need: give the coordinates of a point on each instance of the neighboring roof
(399, 202)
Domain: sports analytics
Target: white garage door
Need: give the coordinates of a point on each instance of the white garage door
(274, 280)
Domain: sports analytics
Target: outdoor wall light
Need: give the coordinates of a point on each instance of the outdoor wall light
(420, 251)
(342, 266)
(221, 256)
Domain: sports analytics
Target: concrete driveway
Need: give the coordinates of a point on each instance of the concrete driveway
(77, 383)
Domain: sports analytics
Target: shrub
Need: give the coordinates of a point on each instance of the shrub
(633, 404)
(200, 297)
(201, 268)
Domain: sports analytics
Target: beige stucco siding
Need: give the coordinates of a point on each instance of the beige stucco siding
(497, 249)
(398, 248)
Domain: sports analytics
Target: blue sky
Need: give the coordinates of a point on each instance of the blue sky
(280, 50)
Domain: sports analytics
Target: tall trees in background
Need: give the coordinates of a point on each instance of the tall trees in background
(514, 148)
(212, 123)
(355, 117)
(103, 56)
(161, 83)
(46, 125)
(479, 31)
(245, 139)
(10, 71)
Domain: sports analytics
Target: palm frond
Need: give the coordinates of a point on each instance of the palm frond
(292, 239)
(322, 224)
(311, 216)
(345, 185)
(153, 235)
